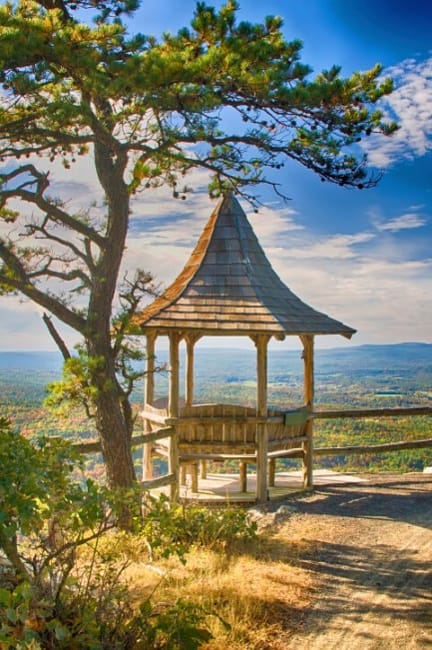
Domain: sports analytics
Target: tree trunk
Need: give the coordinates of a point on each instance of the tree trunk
(113, 428)
(113, 421)
(115, 440)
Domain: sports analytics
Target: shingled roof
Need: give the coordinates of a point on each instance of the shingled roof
(228, 287)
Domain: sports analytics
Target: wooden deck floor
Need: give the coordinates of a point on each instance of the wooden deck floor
(225, 488)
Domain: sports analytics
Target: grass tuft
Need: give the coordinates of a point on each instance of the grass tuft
(255, 595)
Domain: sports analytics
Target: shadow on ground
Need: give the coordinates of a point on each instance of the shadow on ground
(408, 500)
(370, 572)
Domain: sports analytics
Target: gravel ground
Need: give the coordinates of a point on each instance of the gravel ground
(368, 548)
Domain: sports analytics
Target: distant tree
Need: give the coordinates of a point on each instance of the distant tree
(225, 96)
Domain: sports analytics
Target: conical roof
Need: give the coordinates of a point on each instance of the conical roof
(228, 287)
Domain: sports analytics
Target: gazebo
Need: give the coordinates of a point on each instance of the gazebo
(228, 288)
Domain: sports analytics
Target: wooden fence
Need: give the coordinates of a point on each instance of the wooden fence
(370, 413)
(167, 432)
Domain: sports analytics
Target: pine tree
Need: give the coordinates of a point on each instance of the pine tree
(229, 97)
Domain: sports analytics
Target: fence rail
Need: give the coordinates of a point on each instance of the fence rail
(94, 446)
(160, 481)
(367, 449)
(373, 413)
(369, 413)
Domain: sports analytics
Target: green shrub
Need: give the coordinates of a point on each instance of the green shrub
(62, 561)
(177, 627)
(175, 528)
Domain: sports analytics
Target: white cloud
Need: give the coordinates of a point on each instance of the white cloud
(271, 224)
(389, 298)
(403, 222)
(384, 296)
(22, 328)
(332, 247)
(410, 105)
(386, 301)
(358, 278)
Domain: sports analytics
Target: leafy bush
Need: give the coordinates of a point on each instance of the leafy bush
(61, 561)
(172, 528)
(173, 628)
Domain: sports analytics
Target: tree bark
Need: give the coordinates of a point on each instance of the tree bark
(115, 440)
(112, 424)
(112, 413)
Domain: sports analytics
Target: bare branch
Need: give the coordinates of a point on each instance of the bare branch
(16, 278)
(34, 229)
(67, 276)
(56, 336)
(45, 205)
(131, 295)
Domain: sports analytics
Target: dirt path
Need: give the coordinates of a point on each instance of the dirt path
(368, 547)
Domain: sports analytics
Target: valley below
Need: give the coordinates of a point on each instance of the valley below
(369, 376)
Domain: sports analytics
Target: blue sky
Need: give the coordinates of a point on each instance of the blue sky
(363, 257)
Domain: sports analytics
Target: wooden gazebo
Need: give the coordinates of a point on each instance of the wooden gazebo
(228, 288)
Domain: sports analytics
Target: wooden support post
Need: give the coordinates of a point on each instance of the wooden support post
(173, 411)
(243, 476)
(308, 358)
(190, 344)
(261, 341)
(272, 472)
(194, 477)
(191, 339)
(183, 475)
(148, 399)
(203, 469)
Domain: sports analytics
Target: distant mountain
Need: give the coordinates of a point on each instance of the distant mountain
(241, 363)
(31, 360)
(393, 350)
(399, 356)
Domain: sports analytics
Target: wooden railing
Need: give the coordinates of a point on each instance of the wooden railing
(278, 420)
(373, 413)
(163, 432)
(94, 446)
